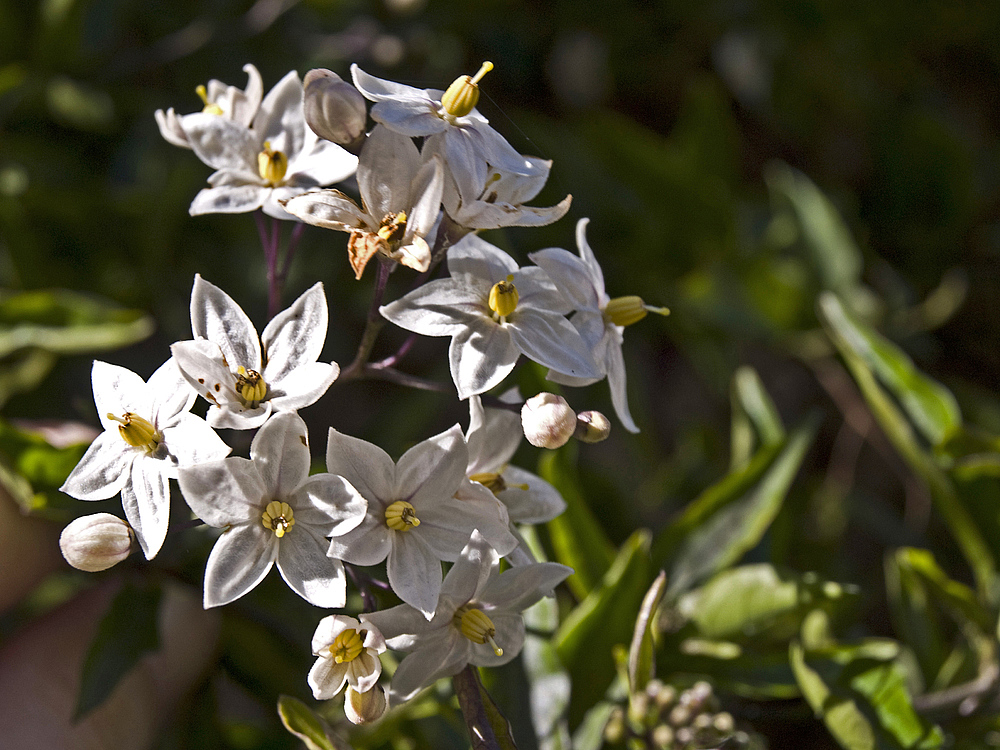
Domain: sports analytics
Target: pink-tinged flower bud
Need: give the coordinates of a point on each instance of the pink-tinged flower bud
(547, 420)
(96, 542)
(366, 707)
(592, 427)
(334, 109)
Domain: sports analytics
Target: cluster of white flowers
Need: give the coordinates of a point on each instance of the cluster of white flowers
(452, 498)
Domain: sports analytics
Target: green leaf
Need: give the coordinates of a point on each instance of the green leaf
(757, 603)
(751, 401)
(604, 619)
(66, 322)
(590, 734)
(641, 664)
(31, 469)
(488, 728)
(860, 694)
(577, 537)
(303, 722)
(730, 518)
(929, 405)
(127, 631)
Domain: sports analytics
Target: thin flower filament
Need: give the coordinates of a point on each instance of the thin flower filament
(475, 625)
(503, 298)
(624, 311)
(347, 646)
(272, 165)
(494, 482)
(137, 431)
(210, 108)
(401, 516)
(463, 94)
(250, 387)
(278, 517)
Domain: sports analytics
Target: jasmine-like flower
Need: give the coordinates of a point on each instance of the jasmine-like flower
(348, 653)
(246, 377)
(448, 119)
(493, 437)
(273, 511)
(414, 517)
(148, 433)
(477, 621)
(599, 319)
(221, 100)
(277, 157)
(494, 312)
(400, 195)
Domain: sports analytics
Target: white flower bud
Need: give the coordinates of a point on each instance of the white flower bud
(334, 109)
(366, 707)
(547, 420)
(96, 542)
(592, 427)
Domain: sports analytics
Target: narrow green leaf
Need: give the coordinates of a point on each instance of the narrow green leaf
(303, 722)
(590, 734)
(641, 664)
(930, 406)
(604, 619)
(577, 537)
(488, 727)
(127, 631)
(753, 400)
(736, 526)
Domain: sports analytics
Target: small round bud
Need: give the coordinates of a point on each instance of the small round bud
(680, 715)
(366, 707)
(591, 427)
(614, 730)
(334, 109)
(663, 737)
(547, 420)
(96, 542)
(666, 696)
(724, 723)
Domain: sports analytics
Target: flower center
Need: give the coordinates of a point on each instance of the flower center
(400, 516)
(347, 646)
(473, 623)
(272, 165)
(503, 297)
(210, 108)
(494, 482)
(278, 517)
(250, 387)
(393, 227)
(624, 311)
(137, 431)
(463, 94)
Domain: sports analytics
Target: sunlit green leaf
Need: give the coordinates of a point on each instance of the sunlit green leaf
(303, 722)
(489, 729)
(641, 664)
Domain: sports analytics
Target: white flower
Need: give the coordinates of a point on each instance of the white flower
(493, 437)
(414, 518)
(494, 312)
(598, 318)
(272, 511)
(148, 433)
(348, 653)
(477, 621)
(219, 99)
(401, 195)
(277, 157)
(243, 380)
(456, 130)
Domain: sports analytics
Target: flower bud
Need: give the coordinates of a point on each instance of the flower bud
(96, 542)
(334, 109)
(547, 420)
(591, 427)
(366, 707)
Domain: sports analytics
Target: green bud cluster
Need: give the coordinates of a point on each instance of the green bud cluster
(663, 718)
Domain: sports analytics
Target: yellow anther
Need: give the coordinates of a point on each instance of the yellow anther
(137, 431)
(250, 387)
(503, 297)
(463, 94)
(494, 482)
(400, 516)
(624, 311)
(393, 227)
(278, 517)
(210, 107)
(475, 625)
(272, 165)
(347, 646)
